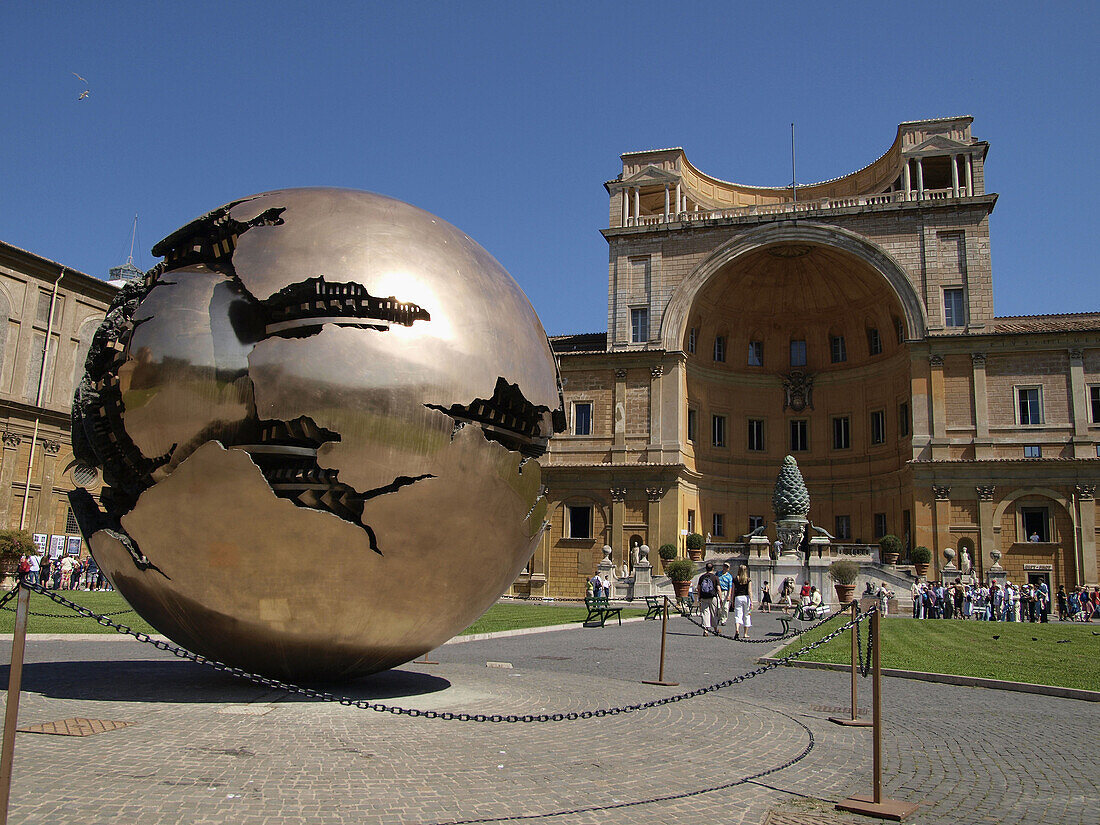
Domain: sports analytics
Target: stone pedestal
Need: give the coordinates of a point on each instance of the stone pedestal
(759, 547)
(643, 581)
(790, 532)
(820, 546)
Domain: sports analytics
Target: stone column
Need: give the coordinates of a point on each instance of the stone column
(626, 208)
(655, 398)
(7, 473)
(1086, 523)
(939, 409)
(987, 541)
(920, 180)
(618, 442)
(667, 205)
(679, 204)
(653, 516)
(969, 177)
(618, 518)
(954, 176)
(941, 517)
(982, 444)
(907, 180)
(637, 204)
(1082, 443)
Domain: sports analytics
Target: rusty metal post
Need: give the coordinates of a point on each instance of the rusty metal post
(875, 805)
(664, 630)
(11, 712)
(424, 661)
(854, 721)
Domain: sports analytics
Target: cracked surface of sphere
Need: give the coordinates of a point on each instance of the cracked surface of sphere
(319, 423)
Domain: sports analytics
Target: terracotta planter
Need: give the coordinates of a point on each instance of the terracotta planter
(681, 589)
(890, 558)
(920, 569)
(844, 593)
(696, 555)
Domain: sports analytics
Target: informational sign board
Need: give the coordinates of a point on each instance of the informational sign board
(57, 546)
(73, 545)
(40, 542)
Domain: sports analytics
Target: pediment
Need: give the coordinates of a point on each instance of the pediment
(938, 144)
(651, 175)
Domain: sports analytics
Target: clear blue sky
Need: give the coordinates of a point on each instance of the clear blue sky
(506, 118)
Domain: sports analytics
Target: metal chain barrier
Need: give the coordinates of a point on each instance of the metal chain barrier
(11, 593)
(325, 696)
(770, 639)
(864, 663)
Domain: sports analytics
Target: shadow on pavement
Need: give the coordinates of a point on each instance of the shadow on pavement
(168, 681)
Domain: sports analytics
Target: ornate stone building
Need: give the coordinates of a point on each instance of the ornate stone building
(849, 323)
(35, 406)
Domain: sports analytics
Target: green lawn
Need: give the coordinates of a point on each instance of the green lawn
(1059, 653)
(497, 617)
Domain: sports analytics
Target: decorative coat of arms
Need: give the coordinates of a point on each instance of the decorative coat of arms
(798, 391)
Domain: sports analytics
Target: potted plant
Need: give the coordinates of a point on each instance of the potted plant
(889, 549)
(696, 545)
(14, 544)
(667, 552)
(844, 573)
(921, 557)
(680, 572)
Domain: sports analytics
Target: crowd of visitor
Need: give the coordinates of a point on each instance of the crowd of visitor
(1006, 602)
(63, 572)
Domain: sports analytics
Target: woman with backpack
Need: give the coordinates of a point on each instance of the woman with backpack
(742, 603)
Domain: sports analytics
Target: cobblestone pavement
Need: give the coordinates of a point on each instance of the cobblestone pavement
(206, 748)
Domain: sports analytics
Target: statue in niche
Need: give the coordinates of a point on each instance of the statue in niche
(965, 563)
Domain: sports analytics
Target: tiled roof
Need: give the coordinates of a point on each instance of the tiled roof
(1062, 322)
(581, 342)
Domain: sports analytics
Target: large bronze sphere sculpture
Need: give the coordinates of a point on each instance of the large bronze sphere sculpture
(318, 424)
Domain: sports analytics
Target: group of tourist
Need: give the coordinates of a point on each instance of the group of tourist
(63, 572)
(1080, 605)
(992, 602)
(721, 592)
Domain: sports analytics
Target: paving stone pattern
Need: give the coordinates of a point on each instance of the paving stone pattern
(206, 748)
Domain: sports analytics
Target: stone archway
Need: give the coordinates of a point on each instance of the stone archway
(675, 318)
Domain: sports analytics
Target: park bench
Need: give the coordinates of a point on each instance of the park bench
(654, 606)
(802, 614)
(600, 610)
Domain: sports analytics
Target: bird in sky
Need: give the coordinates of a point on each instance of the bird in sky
(86, 91)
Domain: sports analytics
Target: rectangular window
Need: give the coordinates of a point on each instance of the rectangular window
(1035, 523)
(900, 328)
(903, 419)
(880, 525)
(639, 325)
(878, 427)
(838, 352)
(718, 523)
(842, 433)
(874, 342)
(954, 308)
(691, 521)
(1094, 404)
(756, 353)
(582, 418)
(843, 525)
(1029, 404)
(755, 521)
(719, 348)
(693, 425)
(693, 335)
(756, 434)
(800, 435)
(71, 525)
(798, 353)
(1033, 451)
(579, 521)
(718, 430)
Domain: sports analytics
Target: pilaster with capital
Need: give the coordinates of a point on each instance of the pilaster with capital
(656, 380)
(618, 519)
(654, 496)
(937, 390)
(986, 532)
(10, 457)
(618, 411)
(981, 397)
(1079, 398)
(941, 518)
(1085, 495)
